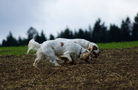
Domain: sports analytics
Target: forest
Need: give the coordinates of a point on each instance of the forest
(99, 33)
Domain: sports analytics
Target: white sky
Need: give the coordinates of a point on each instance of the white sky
(53, 16)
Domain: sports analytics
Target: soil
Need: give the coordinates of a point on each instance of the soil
(114, 69)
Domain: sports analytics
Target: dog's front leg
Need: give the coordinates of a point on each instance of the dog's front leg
(55, 62)
(68, 57)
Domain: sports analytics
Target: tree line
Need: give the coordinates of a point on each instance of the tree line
(127, 31)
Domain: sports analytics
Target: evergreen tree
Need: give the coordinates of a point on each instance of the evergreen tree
(87, 35)
(43, 37)
(52, 37)
(135, 29)
(114, 34)
(4, 43)
(90, 33)
(81, 34)
(103, 33)
(31, 33)
(25, 41)
(20, 41)
(76, 35)
(11, 41)
(99, 33)
(40, 39)
(96, 30)
(126, 29)
(67, 33)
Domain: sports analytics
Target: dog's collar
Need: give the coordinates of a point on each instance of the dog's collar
(88, 45)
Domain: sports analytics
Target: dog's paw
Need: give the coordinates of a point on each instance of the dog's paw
(34, 65)
(57, 65)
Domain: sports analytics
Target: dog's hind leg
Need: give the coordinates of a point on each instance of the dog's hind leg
(39, 57)
(67, 55)
(36, 62)
(58, 59)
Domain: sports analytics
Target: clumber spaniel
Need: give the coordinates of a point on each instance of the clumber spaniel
(91, 46)
(58, 48)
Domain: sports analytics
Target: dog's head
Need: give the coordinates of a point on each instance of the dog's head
(95, 52)
(86, 56)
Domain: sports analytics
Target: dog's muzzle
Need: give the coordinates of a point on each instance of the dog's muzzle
(96, 54)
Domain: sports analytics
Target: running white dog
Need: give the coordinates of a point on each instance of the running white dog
(58, 48)
(91, 46)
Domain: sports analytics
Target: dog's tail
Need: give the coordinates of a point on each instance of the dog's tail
(33, 45)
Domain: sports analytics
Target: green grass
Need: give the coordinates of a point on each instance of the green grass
(17, 51)
(115, 45)
(21, 50)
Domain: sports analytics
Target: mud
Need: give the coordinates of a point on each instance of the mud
(114, 69)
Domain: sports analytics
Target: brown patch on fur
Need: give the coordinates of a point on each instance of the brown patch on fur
(95, 48)
(90, 49)
(75, 41)
(61, 43)
(85, 55)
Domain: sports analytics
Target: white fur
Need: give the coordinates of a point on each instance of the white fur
(58, 48)
(33, 45)
(85, 44)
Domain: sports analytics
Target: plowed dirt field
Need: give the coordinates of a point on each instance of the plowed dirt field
(114, 69)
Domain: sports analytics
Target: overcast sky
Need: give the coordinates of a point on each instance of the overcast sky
(53, 16)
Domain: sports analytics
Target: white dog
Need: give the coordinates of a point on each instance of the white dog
(58, 48)
(92, 47)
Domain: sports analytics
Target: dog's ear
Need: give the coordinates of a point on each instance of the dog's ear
(94, 47)
(85, 55)
(91, 48)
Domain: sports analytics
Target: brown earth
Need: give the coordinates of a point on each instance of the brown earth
(114, 69)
